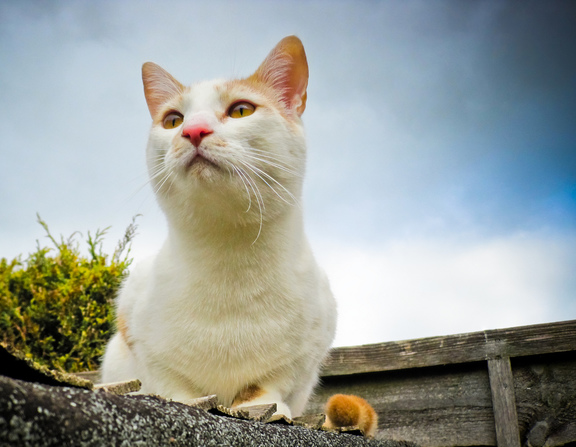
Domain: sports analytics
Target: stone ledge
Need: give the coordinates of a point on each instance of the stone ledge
(33, 414)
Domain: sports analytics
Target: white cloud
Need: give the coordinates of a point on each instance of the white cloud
(419, 288)
(419, 129)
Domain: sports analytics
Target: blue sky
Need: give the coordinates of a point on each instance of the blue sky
(441, 186)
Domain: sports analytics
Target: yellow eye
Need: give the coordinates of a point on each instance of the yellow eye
(241, 109)
(172, 120)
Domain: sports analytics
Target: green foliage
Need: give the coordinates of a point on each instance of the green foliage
(57, 306)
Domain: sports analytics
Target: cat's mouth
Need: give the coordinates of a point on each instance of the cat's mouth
(201, 160)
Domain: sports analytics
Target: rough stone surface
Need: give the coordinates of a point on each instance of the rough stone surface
(33, 414)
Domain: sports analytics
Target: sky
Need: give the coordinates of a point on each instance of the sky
(440, 193)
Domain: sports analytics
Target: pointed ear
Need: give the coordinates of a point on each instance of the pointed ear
(286, 70)
(159, 86)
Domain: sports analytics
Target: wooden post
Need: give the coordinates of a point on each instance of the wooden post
(504, 402)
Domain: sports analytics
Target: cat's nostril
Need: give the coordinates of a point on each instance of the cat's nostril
(196, 133)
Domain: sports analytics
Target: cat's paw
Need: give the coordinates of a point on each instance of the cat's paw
(282, 409)
(344, 410)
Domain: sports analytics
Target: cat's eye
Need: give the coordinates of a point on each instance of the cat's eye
(172, 120)
(241, 109)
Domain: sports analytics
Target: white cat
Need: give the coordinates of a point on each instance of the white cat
(234, 303)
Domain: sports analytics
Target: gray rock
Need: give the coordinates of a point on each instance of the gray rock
(34, 414)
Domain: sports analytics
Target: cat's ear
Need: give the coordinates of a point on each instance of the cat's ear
(159, 87)
(286, 70)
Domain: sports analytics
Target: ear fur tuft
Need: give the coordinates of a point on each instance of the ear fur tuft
(159, 87)
(285, 69)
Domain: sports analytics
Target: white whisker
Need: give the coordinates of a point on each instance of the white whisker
(271, 155)
(282, 161)
(258, 171)
(237, 170)
(158, 169)
(158, 173)
(162, 182)
(259, 199)
(275, 164)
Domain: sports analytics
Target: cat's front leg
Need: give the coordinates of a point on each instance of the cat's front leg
(258, 395)
(118, 362)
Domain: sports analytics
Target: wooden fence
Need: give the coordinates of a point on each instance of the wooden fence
(507, 387)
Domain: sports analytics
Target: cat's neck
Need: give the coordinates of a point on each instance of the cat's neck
(204, 236)
(227, 269)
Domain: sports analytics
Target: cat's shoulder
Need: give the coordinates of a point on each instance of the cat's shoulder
(137, 282)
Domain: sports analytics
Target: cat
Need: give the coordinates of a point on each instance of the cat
(234, 303)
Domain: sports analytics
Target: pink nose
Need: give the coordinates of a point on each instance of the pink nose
(196, 132)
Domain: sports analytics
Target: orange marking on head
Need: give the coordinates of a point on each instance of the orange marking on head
(347, 410)
(270, 98)
(248, 394)
(282, 78)
(286, 70)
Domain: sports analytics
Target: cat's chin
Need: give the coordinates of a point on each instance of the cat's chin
(201, 161)
(201, 166)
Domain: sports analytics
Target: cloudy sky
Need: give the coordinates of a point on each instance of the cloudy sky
(441, 187)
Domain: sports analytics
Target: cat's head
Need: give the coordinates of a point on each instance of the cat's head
(231, 148)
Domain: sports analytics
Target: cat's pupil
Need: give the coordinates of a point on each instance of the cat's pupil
(172, 120)
(241, 109)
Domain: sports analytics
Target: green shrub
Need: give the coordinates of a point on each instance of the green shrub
(57, 306)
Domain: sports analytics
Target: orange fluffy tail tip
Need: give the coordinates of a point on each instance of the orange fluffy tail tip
(344, 410)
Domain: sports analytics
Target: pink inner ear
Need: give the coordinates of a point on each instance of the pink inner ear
(159, 87)
(286, 70)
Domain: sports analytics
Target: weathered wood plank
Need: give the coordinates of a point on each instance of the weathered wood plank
(504, 402)
(453, 349)
(452, 405)
(545, 389)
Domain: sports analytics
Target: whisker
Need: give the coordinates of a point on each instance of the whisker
(154, 175)
(258, 171)
(156, 170)
(257, 193)
(172, 179)
(267, 153)
(275, 164)
(149, 178)
(237, 170)
(162, 182)
(259, 199)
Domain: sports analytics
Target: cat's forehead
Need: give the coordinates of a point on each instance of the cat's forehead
(214, 93)
(204, 93)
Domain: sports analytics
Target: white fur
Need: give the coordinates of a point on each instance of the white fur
(234, 297)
